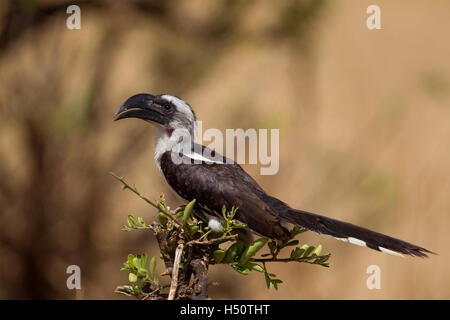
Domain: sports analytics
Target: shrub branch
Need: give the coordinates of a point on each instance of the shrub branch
(188, 248)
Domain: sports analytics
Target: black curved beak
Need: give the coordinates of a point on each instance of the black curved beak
(141, 106)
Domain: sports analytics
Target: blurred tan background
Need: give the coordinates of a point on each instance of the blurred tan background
(364, 119)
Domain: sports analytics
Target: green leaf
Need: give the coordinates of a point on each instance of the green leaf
(277, 281)
(231, 253)
(128, 288)
(162, 219)
(136, 262)
(227, 215)
(179, 214)
(296, 253)
(240, 247)
(142, 272)
(136, 290)
(219, 255)
(143, 259)
(131, 221)
(318, 250)
(193, 230)
(291, 243)
(252, 250)
(126, 266)
(152, 267)
(132, 277)
(130, 259)
(162, 202)
(241, 269)
(188, 210)
(308, 251)
(297, 230)
(254, 266)
(266, 276)
(141, 222)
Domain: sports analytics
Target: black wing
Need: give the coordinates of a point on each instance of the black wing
(217, 185)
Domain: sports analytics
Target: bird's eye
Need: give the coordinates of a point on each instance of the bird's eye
(168, 107)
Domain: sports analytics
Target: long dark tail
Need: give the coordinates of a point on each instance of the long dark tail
(350, 233)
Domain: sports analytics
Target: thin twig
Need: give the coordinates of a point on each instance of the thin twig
(176, 266)
(150, 294)
(212, 241)
(157, 206)
(122, 290)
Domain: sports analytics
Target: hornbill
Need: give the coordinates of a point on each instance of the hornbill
(216, 182)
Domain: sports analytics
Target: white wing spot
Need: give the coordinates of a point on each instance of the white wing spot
(364, 244)
(196, 156)
(357, 242)
(391, 252)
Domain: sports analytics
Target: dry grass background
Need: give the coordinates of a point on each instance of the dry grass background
(364, 120)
